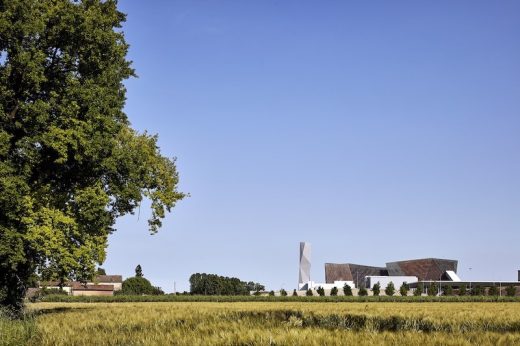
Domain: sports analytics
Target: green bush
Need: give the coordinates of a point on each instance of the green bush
(404, 289)
(510, 291)
(294, 293)
(493, 291)
(390, 289)
(139, 285)
(447, 290)
(320, 291)
(433, 290)
(463, 290)
(334, 291)
(283, 292)
(376, 289)
(418, 290)
(477, 291)
(309, 293)
(362, 292)
(347, 290)
(271, 293)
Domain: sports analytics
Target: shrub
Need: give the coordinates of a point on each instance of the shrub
(283, 293)
(510, 291)
(462, 290)
(321, 291)
(271, 293)
(390, 289)
(309, 293)
(418, 291)
(47, 291)
(477, 291)
(334, 291)
(347, 290)
(294, 293)
(362, 292)
(139, 285)
(493, 291)
(404, 289)
(376, 289)
(447, 290)
(433, 290)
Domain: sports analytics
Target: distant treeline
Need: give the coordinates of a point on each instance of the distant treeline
(216, 285)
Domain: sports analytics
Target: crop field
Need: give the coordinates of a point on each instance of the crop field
(265, 323)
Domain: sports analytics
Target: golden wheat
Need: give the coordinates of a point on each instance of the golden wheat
(280, 323)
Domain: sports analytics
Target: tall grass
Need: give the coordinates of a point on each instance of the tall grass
(16, 330)
(281, 323)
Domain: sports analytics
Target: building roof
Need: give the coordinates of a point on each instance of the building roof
(77, 286)
(109, 278)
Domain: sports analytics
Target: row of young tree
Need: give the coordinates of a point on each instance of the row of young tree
(431, 290)
(212, 284)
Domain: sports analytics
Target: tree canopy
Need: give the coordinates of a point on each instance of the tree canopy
(70, 163)
(211, 284)
(138, 285)
(138, 271)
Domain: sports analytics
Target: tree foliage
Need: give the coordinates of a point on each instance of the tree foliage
(211, 284)
(433, 290)
(334, 291)
(493, 291)
(376, 289)
(390, 289)
(254, 286)
(362, 291)
(347, 290)
(138, 271)
(138, 285)
(404, 289)
(511, 291)
(70, 163)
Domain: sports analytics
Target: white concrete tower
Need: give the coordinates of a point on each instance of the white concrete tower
(305, 264)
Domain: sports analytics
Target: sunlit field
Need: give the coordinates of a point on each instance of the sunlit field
(263, 323)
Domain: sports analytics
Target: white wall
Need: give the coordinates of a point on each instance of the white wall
(385, 280)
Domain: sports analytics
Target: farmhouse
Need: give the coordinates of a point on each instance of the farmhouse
(102, 285)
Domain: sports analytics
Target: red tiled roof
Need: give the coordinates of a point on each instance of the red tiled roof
(77, 286)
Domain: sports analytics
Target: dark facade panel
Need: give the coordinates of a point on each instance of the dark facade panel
(360, 271)
(424, 269)
(337, 272)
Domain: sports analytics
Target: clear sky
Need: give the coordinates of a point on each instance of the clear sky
(375, 130)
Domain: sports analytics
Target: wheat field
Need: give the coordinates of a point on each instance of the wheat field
(270, 323)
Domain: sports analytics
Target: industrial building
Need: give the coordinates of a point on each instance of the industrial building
(425, 271)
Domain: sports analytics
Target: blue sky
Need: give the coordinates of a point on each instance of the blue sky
(378, 131)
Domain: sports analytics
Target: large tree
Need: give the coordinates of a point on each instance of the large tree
(70, 163)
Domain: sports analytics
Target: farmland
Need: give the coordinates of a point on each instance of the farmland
(284, 323)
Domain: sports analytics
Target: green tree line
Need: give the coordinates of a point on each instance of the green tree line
(212, 284)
